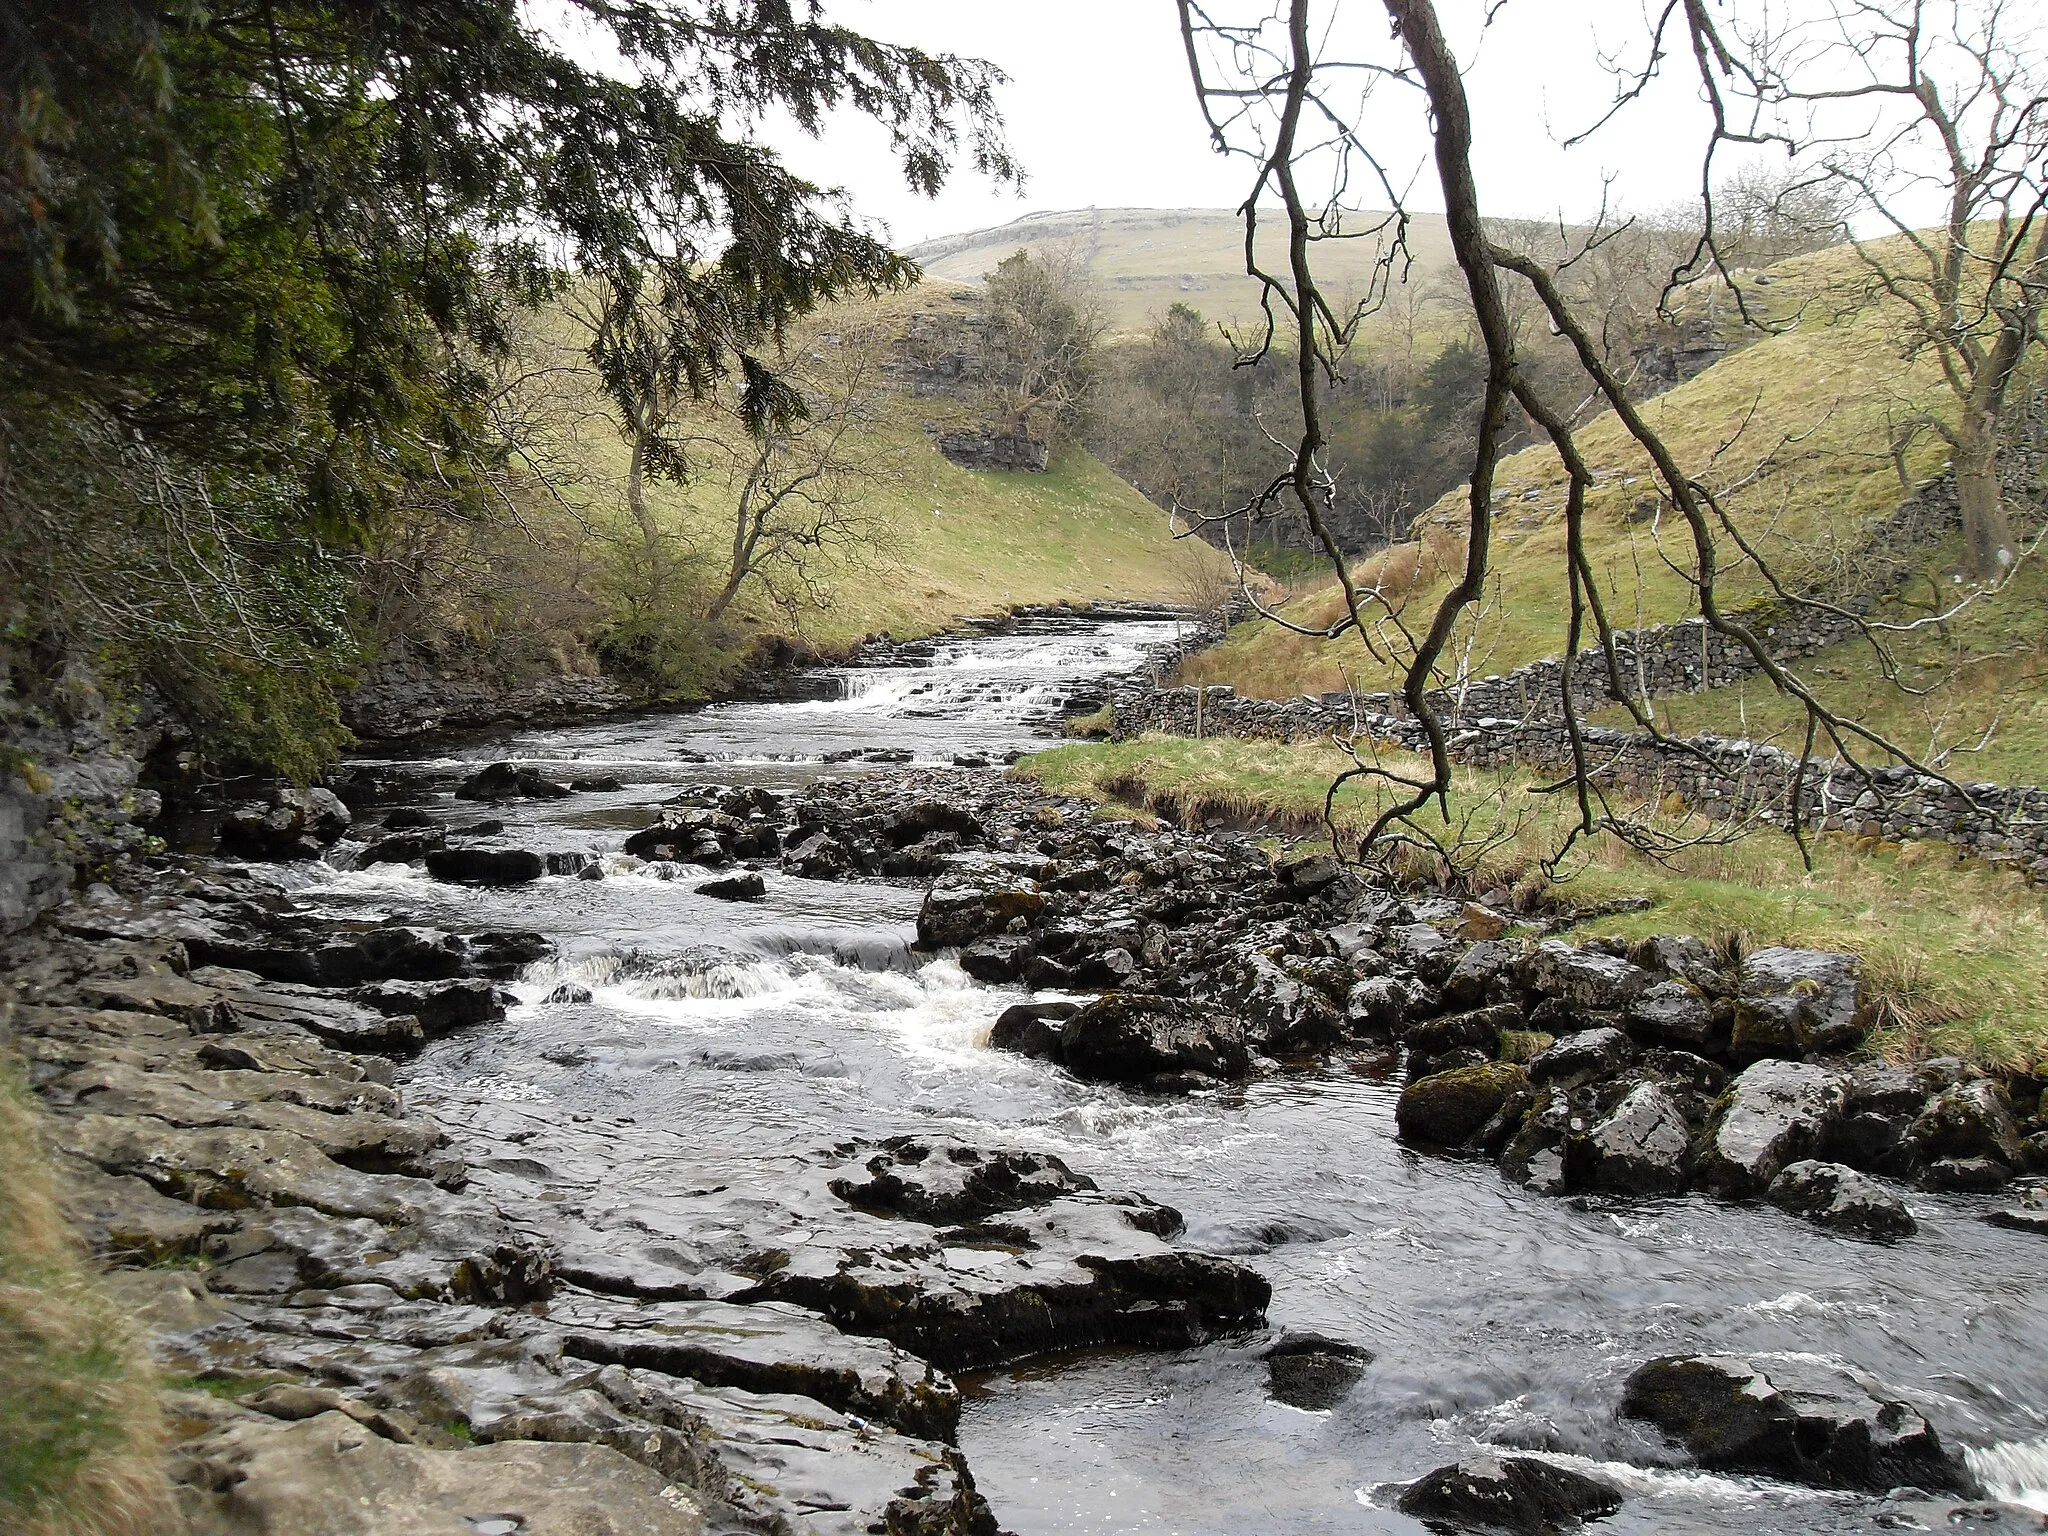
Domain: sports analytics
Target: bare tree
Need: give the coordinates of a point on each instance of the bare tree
(1904, 110)
(797, 492)
(1277, 93)
(1045, 322)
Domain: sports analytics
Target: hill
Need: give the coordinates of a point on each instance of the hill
(1146, 259)
(1796, 431)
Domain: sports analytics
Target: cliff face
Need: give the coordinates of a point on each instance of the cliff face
(69, 800)
(939, 358)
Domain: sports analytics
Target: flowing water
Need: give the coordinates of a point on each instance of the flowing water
(1497, 1318)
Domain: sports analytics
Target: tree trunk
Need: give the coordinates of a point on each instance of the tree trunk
(636, 504)
(1987, 532)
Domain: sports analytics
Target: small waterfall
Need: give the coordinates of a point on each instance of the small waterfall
(2015, 1471)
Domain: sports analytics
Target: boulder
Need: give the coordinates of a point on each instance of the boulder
(403, 847)
(485, 866)
(1587, 1056)
(1310, 874)
(1776, 1113)
(745, 886)
(1796, 1002)
(1842, 1199)
(961, 908)
(1584, 981)
(1129, 1037)
(1639, 1147)
(1796, 1419)
(2027, 1212)
(1282, 1013)
(1033, 1029)
(1377, 1007)
(1448, 1108)
(1508, 1493)
(1882, 1104)
(1475, 971)
(286, 824)
(820, 856)
(1970, 1120)
(1480, 1028)
(1677, 1015)
(1306, 1370)
(928, 817)
(442, 1007)
(998, 958)
(509, 781)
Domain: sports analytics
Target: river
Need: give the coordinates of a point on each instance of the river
(1497, 1317)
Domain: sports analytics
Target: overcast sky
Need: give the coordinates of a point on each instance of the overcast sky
(1101, 112)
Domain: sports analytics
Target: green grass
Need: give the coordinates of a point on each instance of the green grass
(1144, 260)
(1794, 429)
(79, 1415)
(1971, 696)
(1955, 949)
(942, 542)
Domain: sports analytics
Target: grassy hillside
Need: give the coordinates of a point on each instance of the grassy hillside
(1795, 430)
(930, 542)
(1146, 259)
(1955, 950)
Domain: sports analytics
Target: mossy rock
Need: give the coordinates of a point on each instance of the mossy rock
(1447, 1108)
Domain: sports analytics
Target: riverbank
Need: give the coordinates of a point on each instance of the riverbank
(677, 1137)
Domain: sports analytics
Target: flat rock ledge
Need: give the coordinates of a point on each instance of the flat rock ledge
(396, 1333)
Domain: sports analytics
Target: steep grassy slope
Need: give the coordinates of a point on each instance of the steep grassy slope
(935, 542)
(1145, 259)
(1795, 430)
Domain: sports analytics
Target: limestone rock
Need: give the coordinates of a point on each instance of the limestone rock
(1774, 1114)
(1840, 1198)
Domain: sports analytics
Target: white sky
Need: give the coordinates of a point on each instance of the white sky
(1101, 112)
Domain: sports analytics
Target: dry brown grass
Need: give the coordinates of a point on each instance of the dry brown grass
(80, 1422)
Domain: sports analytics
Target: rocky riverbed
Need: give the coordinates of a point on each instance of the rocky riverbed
(758, 1143)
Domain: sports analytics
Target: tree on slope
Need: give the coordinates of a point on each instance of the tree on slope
(1281, 89)
(255, 259)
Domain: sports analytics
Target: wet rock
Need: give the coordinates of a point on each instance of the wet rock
(1966, 1175)
(1033, 1029)
(961, 908)
(1776, 1113)
(1448, 1108)
(1130, 1037)
(1307, 1370)
(1583, 981)
(1677, 1015)
(1796, 1002)
(403, 848)
(768, 1348)
(1639, 1147)
(1508, 1493)
(1799, 1420)
(474, 865)
(1377, 1007)
(998, 958)
(509, 781)
(748, 886)
(568, 993)
(1467, 984)
(1843, 1200)
(1284, 1014)
(401, 953)
(943, 1183)
(1535, 1154)
(331, 1476)
(1424, 949)
(287, 824)
(1480, 1028)
(603, 784)
(442, 1007)
(688, 836)
(1969, 1121)
(2028, 1211)
(1585, 1056)
(820, 856)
